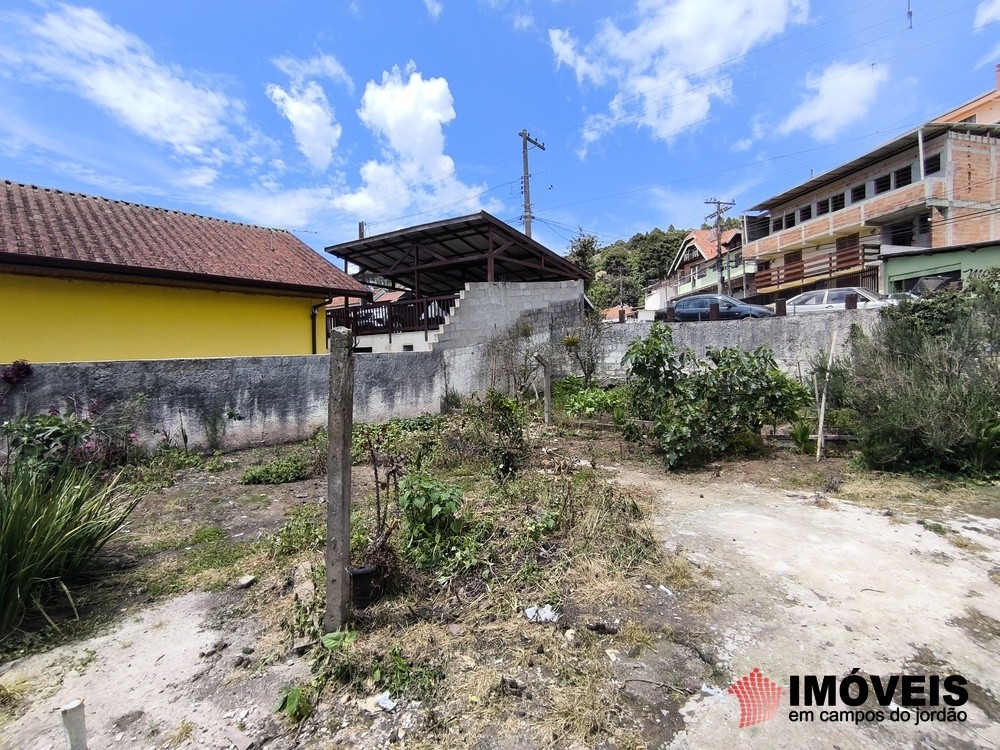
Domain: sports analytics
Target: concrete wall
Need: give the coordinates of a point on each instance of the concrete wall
(795, 340)
(248, 401)
(232, 403)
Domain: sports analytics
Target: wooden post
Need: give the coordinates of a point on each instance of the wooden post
(547, 380)
(822, 404)
(340, 423)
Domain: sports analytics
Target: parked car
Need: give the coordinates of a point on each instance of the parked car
(696, 307)
(830, 300)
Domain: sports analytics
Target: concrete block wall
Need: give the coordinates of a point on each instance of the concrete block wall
(486, 311)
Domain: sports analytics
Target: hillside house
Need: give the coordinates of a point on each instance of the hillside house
(696, 269)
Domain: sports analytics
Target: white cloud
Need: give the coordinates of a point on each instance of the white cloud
(271, 205)
(839, 96)
(315, 130)
(564, 48)
(671, 64)
(434, 8)
(407, 113)
(321, 66)
(305, 105)
(114, 69)
(986, 12)
(524, 21)
(199, 177)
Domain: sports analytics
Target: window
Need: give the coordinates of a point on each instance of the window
(901, 234)
(903, 176)
(823, 207)
(837, 202)
(805, 213)
(883, 184)
(777, 225)
(790, 220)
(859, 193)
(407, 347)
(932, 164)
(849, 242)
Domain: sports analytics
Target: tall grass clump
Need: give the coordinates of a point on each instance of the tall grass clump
(52, 521)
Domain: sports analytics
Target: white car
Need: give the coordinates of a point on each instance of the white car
(830, 300)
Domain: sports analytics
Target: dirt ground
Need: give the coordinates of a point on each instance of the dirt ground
(814, 585)
(806, 572)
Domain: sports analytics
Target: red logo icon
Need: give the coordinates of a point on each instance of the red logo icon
(759, 698)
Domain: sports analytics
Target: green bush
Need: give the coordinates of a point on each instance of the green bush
(431, 516)
(926, 381)
(412, 438)
(705, 408)
(46, 439)
(291, 467)
(593, 402)
(51, 522)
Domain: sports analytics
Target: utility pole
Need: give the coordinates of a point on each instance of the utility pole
(525, 187)
(720, 208)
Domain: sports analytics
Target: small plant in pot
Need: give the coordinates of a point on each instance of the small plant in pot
(371, 548)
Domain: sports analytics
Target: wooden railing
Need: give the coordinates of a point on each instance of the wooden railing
(824, 265)
(425, 314)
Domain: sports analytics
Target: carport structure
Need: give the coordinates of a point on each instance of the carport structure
(435, 261)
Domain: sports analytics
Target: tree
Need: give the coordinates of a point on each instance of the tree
(583, 252)
(587, 345)
(727, 223)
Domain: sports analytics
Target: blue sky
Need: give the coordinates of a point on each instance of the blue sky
(314, 116)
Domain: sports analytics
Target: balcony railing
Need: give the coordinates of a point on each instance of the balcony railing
(830, 264)
(425, 314)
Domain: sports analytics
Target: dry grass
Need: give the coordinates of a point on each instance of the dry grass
(12, 693)
(963, 542)
(179, 734)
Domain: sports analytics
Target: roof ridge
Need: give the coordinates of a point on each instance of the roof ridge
(75, 194)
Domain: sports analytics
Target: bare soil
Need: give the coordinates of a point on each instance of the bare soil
(785, 565)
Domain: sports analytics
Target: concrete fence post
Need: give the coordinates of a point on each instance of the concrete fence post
(340, 424)
(547, 383)
(780, 310)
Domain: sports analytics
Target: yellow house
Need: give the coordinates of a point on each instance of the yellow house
(84, 279)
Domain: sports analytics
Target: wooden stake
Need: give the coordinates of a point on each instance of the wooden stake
(822, 403)
(340, 424)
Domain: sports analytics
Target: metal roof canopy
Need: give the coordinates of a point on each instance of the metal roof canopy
(885, 151)
(441, 257)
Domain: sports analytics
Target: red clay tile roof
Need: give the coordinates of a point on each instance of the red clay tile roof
(704, 240)
(55, 229)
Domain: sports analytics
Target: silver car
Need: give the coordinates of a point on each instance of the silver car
(831, 300)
